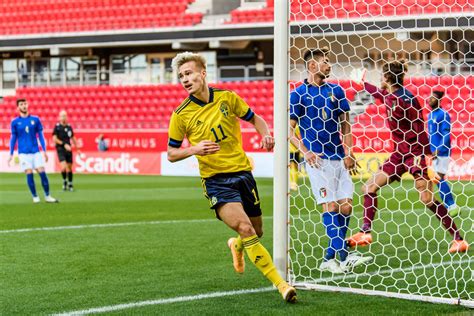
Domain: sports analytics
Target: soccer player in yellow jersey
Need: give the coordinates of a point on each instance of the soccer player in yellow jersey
(295, 160)
(209, 119)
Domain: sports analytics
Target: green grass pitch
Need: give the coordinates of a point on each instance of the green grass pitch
(180, 250)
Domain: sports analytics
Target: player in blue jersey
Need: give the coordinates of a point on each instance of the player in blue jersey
(27, 129)
(439, 130)
(321, 111)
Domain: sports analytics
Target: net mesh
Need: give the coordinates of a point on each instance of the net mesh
(410, 245)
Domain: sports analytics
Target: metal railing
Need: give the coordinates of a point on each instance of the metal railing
(10, 80)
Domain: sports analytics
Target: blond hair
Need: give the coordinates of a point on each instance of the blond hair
(185, 57)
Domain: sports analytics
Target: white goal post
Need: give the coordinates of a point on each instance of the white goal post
(423, 273)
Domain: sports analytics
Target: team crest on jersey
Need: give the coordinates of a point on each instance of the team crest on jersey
(213, 201)
(322, 192)
(32, 122)
(224, 109)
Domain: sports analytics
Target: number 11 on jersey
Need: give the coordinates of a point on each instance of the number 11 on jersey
(223, 135)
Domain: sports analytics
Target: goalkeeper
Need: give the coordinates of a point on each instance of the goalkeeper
(405, 120)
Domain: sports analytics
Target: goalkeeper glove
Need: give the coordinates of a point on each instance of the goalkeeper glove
(358, 75)
(433, 175)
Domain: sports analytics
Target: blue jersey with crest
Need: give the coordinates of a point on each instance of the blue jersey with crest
(317, 110)
(26, 130)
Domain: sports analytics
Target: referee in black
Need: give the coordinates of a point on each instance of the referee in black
(62, 137)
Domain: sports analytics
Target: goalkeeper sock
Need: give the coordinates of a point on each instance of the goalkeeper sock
(445, 193)
(442, 214)
(31, 184)
(261, 259)
(44, 183)
(370, 207)
(331, 222)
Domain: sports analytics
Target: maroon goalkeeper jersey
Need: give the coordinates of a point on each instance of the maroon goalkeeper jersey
(405, 120)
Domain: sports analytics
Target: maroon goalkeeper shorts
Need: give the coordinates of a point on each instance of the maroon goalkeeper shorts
(397, 164)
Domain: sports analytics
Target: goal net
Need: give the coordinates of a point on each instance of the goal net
(410, 246)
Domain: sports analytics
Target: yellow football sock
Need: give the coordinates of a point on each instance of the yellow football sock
(239, 246)
(261, 259)
(293, 173)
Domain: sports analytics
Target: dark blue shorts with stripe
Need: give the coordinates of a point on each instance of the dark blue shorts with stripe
(233, 187)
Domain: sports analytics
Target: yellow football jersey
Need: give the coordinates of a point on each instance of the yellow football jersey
(217, 121)
(293, 148)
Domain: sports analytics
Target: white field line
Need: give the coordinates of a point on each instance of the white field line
(34, 229)
(107, 225)
(198, 297)
(178, 299)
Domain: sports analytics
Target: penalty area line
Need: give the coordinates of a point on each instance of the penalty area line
(178, 299)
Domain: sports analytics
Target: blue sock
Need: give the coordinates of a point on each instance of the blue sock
(331, 223)
(343, 227)
(44, 183)
(344, 223)
(445, 193)
(31, 184)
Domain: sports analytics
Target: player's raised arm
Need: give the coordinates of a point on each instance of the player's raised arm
(375, 92)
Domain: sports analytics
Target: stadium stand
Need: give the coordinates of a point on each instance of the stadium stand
(340, 9)
(122, 107)
(50, 16)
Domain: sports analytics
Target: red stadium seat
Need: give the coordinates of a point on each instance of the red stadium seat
(74, 16)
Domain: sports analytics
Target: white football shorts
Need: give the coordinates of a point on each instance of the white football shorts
(31, 161)
(441, 164)
(330, 182)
